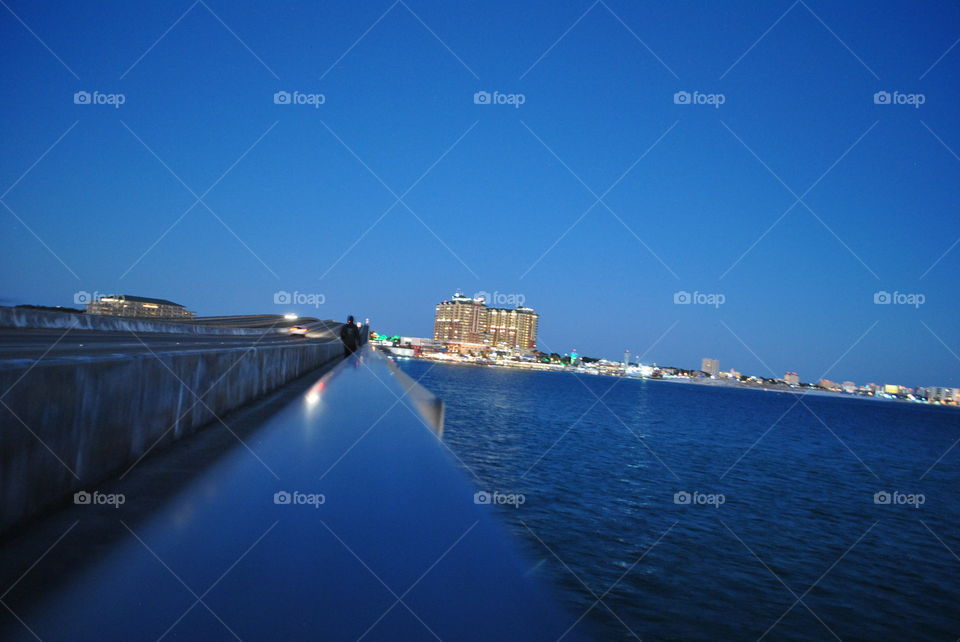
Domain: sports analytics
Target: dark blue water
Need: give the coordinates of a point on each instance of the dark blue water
(798, 520)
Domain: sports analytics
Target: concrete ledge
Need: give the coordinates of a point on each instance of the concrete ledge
(393, 511)
(66, 426)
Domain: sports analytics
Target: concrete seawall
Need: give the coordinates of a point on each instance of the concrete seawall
(69, 425)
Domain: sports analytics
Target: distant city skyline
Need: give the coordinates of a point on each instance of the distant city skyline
(774, 186)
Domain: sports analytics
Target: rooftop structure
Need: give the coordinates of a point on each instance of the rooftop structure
(126, 305)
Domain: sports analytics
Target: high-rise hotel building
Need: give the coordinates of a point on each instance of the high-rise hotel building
(460, 320)
(469, 321)
(512, 328)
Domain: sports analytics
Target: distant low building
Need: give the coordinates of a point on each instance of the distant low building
(849, 386)
(126, 305)
(420, 342)
(826, 384)
(946, 395)
(791, 379)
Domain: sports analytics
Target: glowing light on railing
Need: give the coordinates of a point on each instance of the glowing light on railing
(315, 392)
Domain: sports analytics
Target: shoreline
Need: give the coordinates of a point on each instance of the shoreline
(710, 383)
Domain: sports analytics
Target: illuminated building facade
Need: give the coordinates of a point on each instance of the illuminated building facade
(467, 321)
(125, 305)
(826, 384)
(516, 328)
(460, 320)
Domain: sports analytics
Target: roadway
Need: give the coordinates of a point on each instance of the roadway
(52, 343)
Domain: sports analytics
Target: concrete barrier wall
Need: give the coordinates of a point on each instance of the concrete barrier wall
(72, 424)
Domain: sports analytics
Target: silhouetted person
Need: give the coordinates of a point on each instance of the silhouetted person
(350, 337)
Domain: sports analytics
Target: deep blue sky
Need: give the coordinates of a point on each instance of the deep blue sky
(400, 98)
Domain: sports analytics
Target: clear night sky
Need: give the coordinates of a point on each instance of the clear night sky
(694, 197)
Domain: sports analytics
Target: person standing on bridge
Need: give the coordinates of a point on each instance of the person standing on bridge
(350, 337)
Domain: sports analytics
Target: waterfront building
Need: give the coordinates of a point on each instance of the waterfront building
(947, 395)
(849, 386)
(468, 321)
(826, 384)
(791, 379)
(419, 342)
(644, 371)
(512, 328)
(710, 366)
(460, 320)
(126, 305)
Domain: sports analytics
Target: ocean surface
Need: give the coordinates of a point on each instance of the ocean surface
(709, 513)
